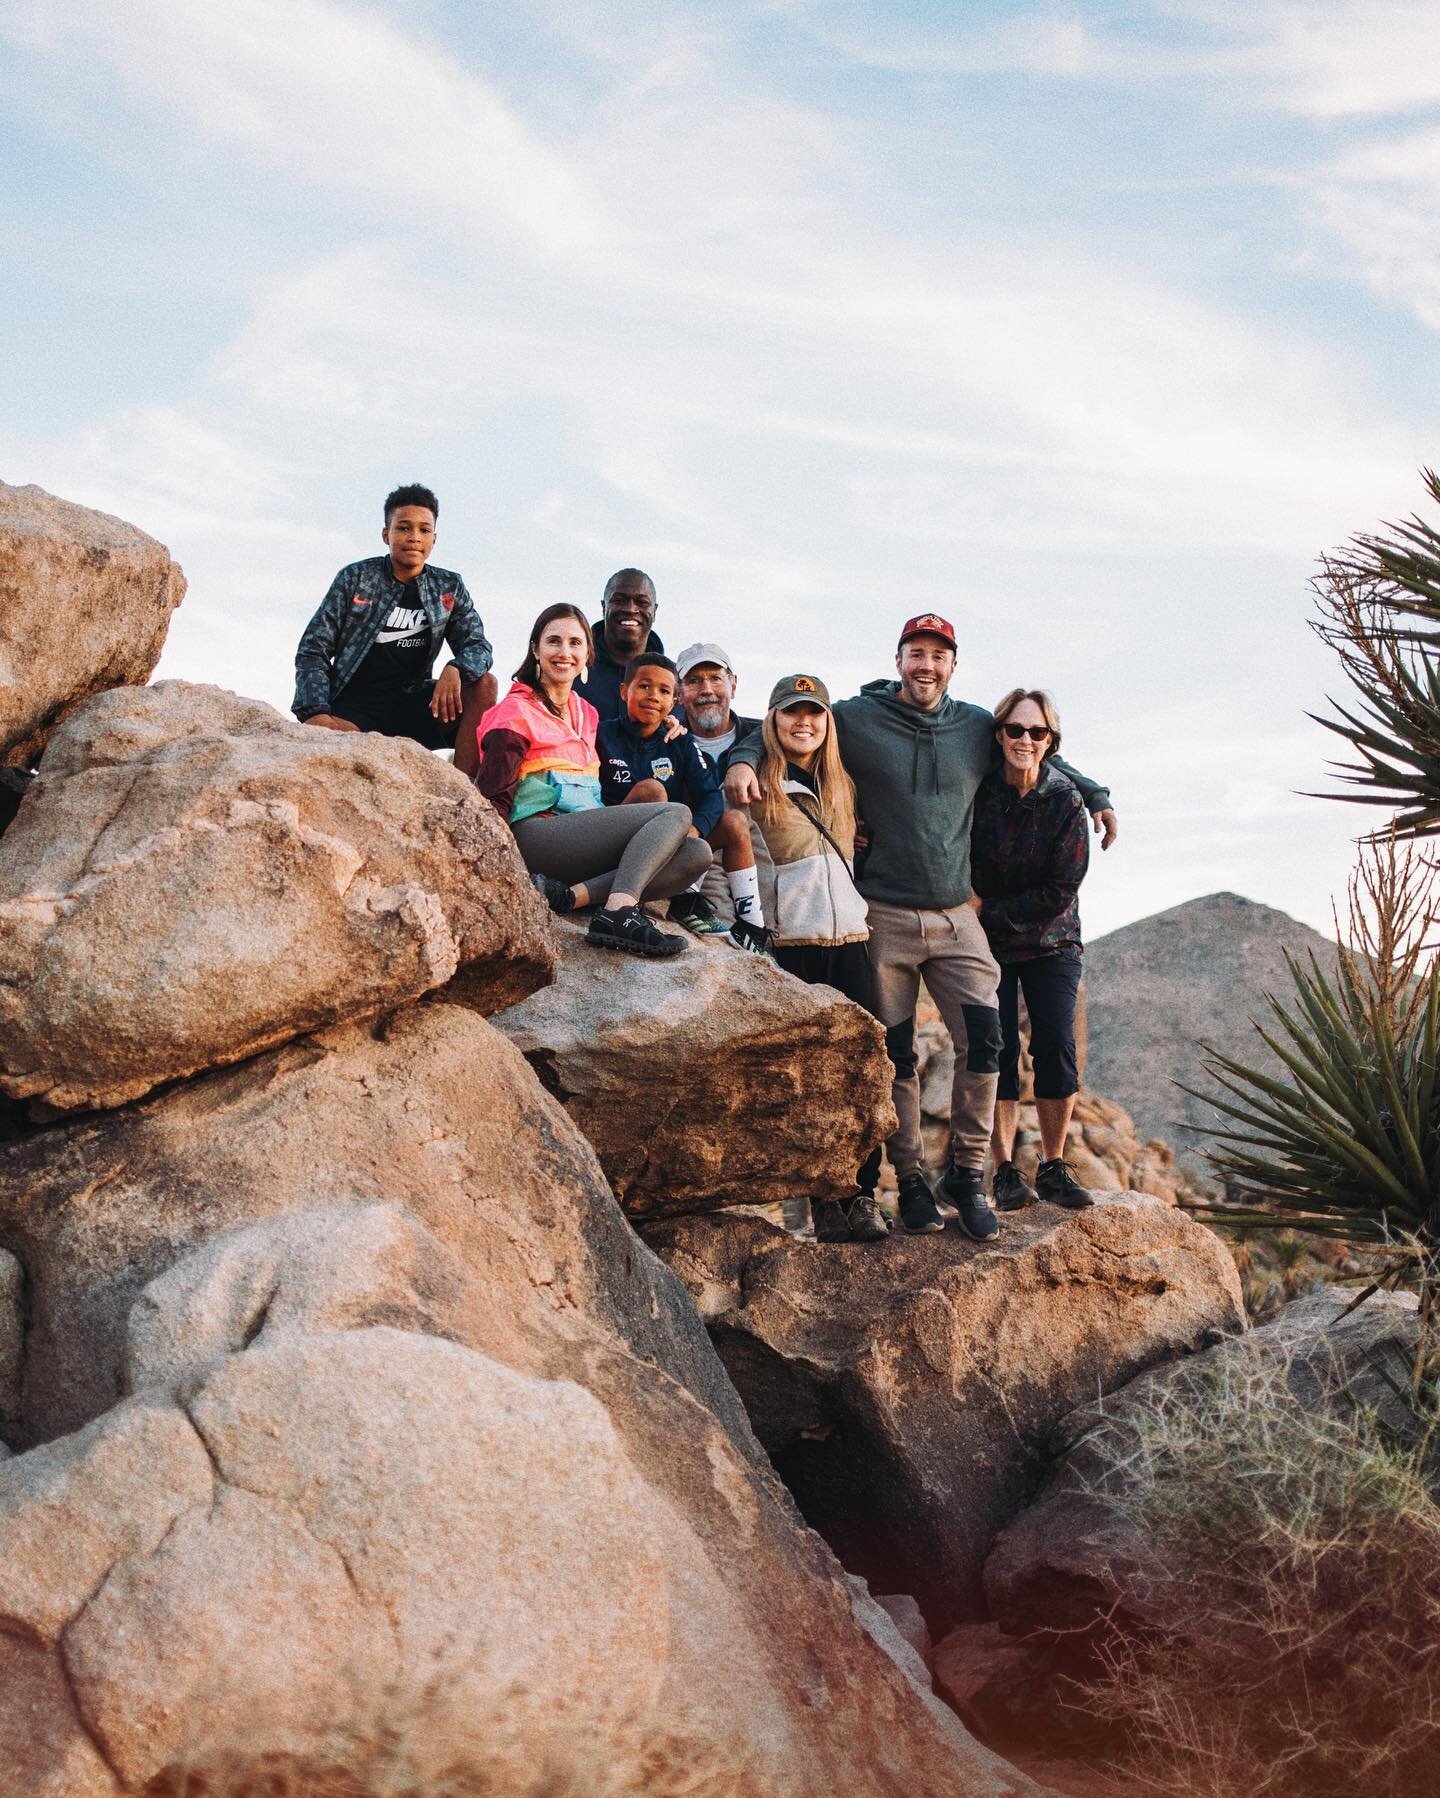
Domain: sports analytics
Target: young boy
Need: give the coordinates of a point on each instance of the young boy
(364, 661)
(638, 765)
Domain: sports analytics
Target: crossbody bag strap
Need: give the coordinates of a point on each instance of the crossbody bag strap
(806, 812)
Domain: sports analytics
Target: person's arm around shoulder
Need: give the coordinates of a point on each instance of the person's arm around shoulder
(315, 656)
(1096, 798)
(742, 786)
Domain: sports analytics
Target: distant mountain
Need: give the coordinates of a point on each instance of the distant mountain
(1156, 988)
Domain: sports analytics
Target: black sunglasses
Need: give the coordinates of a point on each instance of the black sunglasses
(1036, 732)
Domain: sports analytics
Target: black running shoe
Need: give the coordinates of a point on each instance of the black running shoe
(828, 1217)
(917, 1205)
(629, 930)
(867, 1222)
(697, 914)
(1013, 1192)
(964, 1188)
(554, 892)
(754, 938)
(1058, 1186)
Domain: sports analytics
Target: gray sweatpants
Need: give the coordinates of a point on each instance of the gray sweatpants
(948, 951)
(640, 849)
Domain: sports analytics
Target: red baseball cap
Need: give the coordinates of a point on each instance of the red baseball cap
(929, 624)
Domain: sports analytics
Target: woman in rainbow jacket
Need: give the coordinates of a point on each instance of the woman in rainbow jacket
(540, 771)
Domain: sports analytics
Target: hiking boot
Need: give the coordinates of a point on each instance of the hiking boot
(1013, 1192)
(554, 892)
(1058, 1186)
(754, 938)
(697, 914)
(828, 1217)
(867, 1222)
(917, 1205)
(964, 1188)
(630, 930)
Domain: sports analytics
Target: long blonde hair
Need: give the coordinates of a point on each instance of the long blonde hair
(834, 787)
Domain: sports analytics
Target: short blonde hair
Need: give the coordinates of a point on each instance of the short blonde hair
(1047, 711)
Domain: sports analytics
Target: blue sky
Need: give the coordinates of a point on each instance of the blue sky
(1089, 327)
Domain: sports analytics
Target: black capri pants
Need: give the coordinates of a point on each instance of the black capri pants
(1051, 984)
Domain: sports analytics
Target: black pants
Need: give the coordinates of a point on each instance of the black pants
(846, 967)
(1050, 984)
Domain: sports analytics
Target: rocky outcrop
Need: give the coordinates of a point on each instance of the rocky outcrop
(710, 1081)
(907, 1391)
(85, 602)
(197, 879)
(343, 1365)
(1075, 1557)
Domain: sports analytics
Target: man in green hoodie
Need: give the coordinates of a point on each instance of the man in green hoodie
(917, 757)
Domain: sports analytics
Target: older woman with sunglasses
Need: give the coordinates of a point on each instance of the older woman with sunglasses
(1029, 850)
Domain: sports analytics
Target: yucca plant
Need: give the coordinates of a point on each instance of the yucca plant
(1379, 601)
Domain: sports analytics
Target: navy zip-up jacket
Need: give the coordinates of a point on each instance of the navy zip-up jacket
(343, 632)
(688, 777)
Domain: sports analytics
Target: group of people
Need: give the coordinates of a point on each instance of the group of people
(868, 844)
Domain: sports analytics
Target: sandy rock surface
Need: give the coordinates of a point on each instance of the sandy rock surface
(85, 602)
(710, 1080)
(364, 1371)
(197, 878)
(907, 1390)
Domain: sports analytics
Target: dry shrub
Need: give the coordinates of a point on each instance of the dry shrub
(444, 1740)
(1299, 1549)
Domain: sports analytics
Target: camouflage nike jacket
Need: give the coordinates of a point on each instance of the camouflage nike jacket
(343, 632)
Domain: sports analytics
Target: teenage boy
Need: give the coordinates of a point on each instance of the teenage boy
(917, 758)
(638, 765)
(364, 661)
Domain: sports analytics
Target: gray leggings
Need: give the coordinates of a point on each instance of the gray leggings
(640, 849)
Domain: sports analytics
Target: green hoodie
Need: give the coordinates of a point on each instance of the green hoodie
(916, 774)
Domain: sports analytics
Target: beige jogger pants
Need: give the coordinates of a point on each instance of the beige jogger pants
(948, 951)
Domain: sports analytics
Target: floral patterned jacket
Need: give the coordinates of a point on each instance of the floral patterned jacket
(343, 632)
(1028, 854)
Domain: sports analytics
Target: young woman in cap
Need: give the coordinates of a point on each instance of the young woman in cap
(1029, 851)
(806, 813)
(539, 770)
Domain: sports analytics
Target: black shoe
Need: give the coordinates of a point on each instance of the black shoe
(555, 893)
(917, 1205)
(828, 1217)
(1013, 1192)
(752, 937)
(964, 1188)
(1058, 1186)
(867, 1223)
(697, 914)
(630, 930)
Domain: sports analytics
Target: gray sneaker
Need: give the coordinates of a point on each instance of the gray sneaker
(1058, 1186)
(867, 1222)
(1013, 1192)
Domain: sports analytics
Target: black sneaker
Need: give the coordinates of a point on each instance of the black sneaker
(964, 1188)
(554, 892)
(630, 930)
(917, 1205)
(828, 1217)
(1058, 1186)
(754, 938)
(867, 1223)
(697, 914)
(1013, 1192)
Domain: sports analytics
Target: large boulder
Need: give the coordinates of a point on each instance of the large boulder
(709, 1081)
(1074, 1560)
(85, 602)
(197, 878)
(343, 1369)
(907, 1391)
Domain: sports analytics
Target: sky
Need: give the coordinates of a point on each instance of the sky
(1090, 327)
